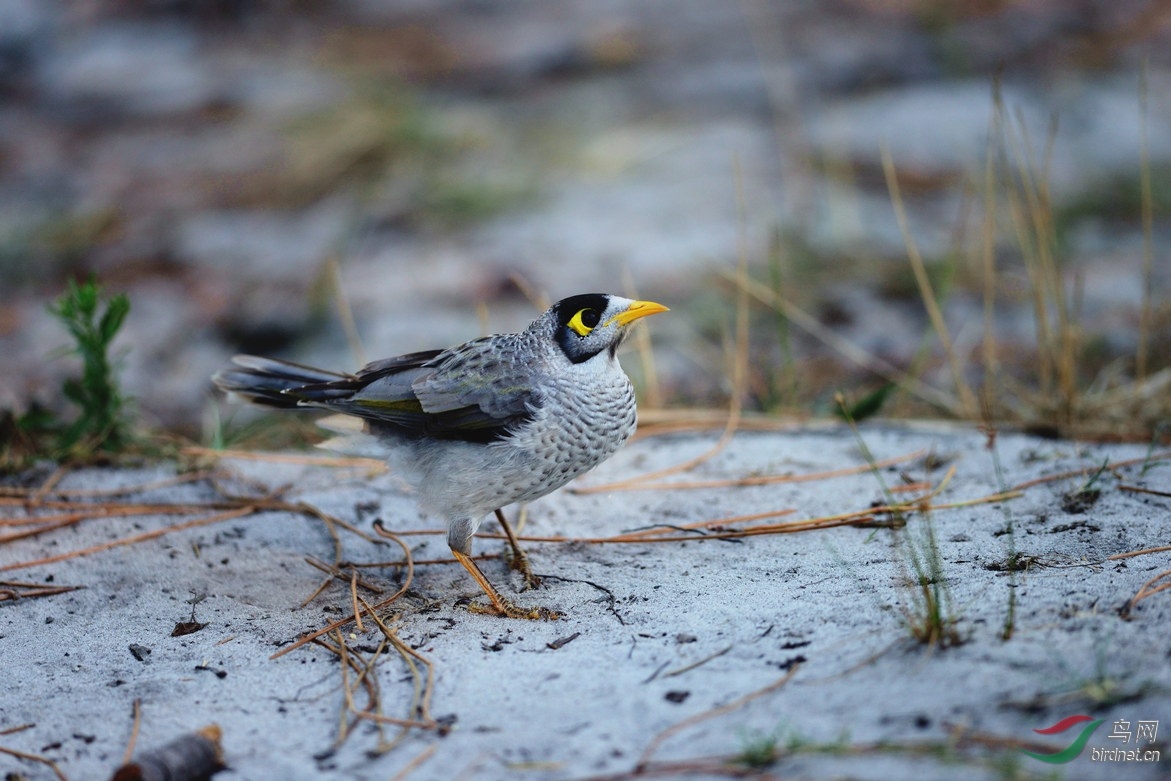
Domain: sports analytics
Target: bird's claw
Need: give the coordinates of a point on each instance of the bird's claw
(519, 562)
(506, 609)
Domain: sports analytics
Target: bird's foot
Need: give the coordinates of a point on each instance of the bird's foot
(518, 561)
(499, 606)
(506, 609)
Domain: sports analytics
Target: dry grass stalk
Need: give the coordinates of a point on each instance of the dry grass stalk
(746, 765)
(408, 578)
(305, 508)
(963, 736)
(989, 351)
(920, 503)
(1110, 406)
(967, 397)
(233, 508)
(141, 488)
(41, 526)
(14, 590)
(365, 679)
(1053, 397)
(423, 689)
(723, 766)
(134, 727)
(335, 572)
(348, 661)
(316, 593)
(344, 312)
(416, 762)
(699, 525)
(652, 392)
(1140, 490)
(1030, 209)
(419, 562)
(47, 523)
(354, 601)
(35, 758)
(1084, 472)
(536, 296)
(642, 485)
(1145, 312)
(35, 495)
(104, 509)
(372, 465)
(1142, 552)
(825, 522)
(217, 518)
(689, 667)
(51, 482)
(656, 422)
(853, 353)
(1147, 589)
(659, 534)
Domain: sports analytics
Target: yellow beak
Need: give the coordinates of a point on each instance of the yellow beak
(635, 311)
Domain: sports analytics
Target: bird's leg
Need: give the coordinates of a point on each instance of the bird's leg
(500, 606)
(519, 560)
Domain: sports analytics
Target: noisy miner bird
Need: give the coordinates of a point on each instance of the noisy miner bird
(476, 427)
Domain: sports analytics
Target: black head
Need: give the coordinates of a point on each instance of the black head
(589, 324)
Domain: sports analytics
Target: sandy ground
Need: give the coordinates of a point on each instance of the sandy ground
(651, 633)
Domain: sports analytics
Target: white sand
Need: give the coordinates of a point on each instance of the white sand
(642, 614)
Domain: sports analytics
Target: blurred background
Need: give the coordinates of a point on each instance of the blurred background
(252, 172)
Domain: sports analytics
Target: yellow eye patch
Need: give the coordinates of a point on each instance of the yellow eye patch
(584, 321)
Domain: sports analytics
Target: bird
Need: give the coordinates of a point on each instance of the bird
(498, 420)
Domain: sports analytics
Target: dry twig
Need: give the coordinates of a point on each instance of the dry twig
(372, 465)
(35, 758)
(382, 532)
(133, 732)
(642, 483)
(1142, 552)
(1147, 589)
(217, 518)
(13, 589)
(416, 763)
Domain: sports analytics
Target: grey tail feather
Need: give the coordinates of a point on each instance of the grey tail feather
(269, 381)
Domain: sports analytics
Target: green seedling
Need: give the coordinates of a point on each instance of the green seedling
(1150, 461)
(93, 322)
(869, 405)
(759, 750)
(784, 384)
(931, 618)
(1083, 498)
(1014, 561)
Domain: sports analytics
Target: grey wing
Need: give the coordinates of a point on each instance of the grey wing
(476, 392)
(493, 374)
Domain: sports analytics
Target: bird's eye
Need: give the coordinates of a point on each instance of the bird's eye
(584, 321)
